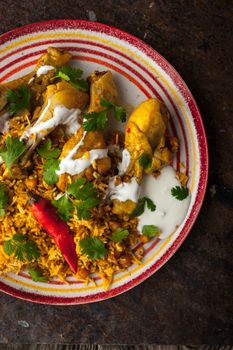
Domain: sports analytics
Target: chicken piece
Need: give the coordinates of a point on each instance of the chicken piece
(123, 208)
(58, 94)
(53, 57)
(101, 85)
(91, 140)
(5, 113)
(145, 134)
(14, 84)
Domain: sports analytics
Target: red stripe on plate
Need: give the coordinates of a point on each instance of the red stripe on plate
(80, 49)
(202, 144)
(16, 70)
(128, 67)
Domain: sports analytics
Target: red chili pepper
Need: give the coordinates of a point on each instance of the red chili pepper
(46, 215)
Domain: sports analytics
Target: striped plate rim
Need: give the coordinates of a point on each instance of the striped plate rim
(55, 25)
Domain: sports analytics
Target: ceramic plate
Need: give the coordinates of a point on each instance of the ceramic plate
(140, 73)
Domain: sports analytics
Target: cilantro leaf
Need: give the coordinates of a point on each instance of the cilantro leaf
(80, 84)
(37, 276)
(75, 187)
(23, 248)
(119, 234)
(8, 247)
(19, 254)
(150, 230)
(64, 206)
(99, 120)
(119, 112)
(3, 200)
(87, 194)
(139, 210)
(95, 120)
(50, 168)
(13, 149)
(82, 189)
(150, 204)
(47, 152)
(145, 160)
(93, 247)
(82, 212)
(180, 192)
(18, 237)
(69, 73)
(30, 250)
(18, 99)
(72, 75)
(106, 103)
(83, 208)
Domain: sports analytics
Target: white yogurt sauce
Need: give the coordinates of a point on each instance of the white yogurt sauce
(169, 212)
(72, 123)
(123, 166)
(61, 116)
(27, 133)
(43, 70)
(75, 166)
(124, 191)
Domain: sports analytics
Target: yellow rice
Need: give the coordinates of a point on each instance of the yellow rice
(19, 219)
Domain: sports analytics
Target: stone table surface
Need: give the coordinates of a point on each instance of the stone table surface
(189, 300)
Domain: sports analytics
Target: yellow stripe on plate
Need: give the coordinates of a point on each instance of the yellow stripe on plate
(75, 290)
(180, 104)
(131, 54)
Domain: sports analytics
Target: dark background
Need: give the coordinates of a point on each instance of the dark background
(190, 299)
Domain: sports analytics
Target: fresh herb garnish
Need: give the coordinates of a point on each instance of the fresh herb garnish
(65, 207)
(87, 195)
(49, 174)
(150, 230)
(37, 275)
(119, 112)
(12, 150)
(180, 192)
(47, 152)
(22, 248)
(18, 99)
(145, 160)
(80, 84)
(82, 189)
(95, 120)
(83, 208)
(8, 247)
(72, 75)
(139, 210)
(3, 200)
(86, 198)
(119, 234)
(99, 120)
(93, 247)
(69, 73)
